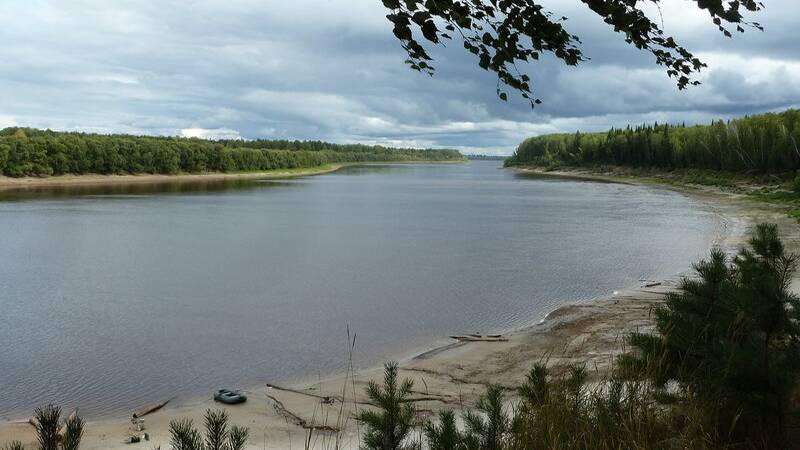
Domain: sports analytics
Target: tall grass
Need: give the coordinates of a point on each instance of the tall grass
(329, 433)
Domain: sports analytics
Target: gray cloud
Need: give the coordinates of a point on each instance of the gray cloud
(331, 70)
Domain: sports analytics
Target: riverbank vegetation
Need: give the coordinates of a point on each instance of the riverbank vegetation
(31, 152)
(51, 432)
(758, 156)
(218, 436)
(720, 370)
(767, 143)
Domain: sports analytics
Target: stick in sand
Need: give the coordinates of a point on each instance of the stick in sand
(149, 409)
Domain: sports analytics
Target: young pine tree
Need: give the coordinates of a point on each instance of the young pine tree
(488, 428)
(388, 428)
(16, 445)
(446, 435)
(184, 436)
(767, 376)
(52, 433)
(730, 342)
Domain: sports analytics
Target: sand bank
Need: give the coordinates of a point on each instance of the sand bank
(452, 375)
(33, 183)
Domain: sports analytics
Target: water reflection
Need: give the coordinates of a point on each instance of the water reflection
(134, 189)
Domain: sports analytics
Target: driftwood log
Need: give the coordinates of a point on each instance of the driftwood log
(297, 420)
(149, 409)
(480, 338)
(326, 399)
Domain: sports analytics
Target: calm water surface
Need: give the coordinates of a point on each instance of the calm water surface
(112, 298)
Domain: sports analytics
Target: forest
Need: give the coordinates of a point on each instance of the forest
(766, 143)
(31, 152)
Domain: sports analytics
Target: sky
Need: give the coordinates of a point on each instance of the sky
(332, 70)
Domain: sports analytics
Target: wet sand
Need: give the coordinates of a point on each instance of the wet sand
(454, 374)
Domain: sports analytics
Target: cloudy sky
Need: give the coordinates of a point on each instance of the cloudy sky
(331, 70)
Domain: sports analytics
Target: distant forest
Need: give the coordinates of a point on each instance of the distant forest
(31, 152)
(762, 143)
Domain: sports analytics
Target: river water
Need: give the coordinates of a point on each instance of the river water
(116, 297)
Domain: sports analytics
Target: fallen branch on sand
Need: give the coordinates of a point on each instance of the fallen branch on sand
(326, 399)
(297, 420)
(480, 338)
(149, 409)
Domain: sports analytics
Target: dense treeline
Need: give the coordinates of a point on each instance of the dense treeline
(30, 152)
(767, 142)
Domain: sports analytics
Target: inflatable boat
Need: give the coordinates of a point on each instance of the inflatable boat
(230, 397)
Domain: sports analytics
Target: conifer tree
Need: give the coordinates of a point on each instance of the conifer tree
(388, 428)
(184, 436)
(730, 340)
(487, 428)
(446, 435)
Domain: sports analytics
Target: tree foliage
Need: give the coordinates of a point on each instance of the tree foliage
(488, 425)
(767, 142)
(30, 152)
(560, 413)
(52, 433)
(389, 427)
(730, 342)
(445, 435)
(218, 436)
(502, 34)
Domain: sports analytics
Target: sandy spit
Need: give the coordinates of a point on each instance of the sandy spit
(454, 374)
(32, 183)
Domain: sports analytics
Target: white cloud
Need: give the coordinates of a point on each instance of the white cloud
(8, 121)
(331, 70)
(108, 78)
(215, 133)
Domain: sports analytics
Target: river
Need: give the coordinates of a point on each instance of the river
(116, 297)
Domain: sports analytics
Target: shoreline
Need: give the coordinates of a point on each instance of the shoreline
(453, 374)
(9, 184)
(59, 181)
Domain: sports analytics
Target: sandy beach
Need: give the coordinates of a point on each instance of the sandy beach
(34, 183)
(450, 376)
(37, 183)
